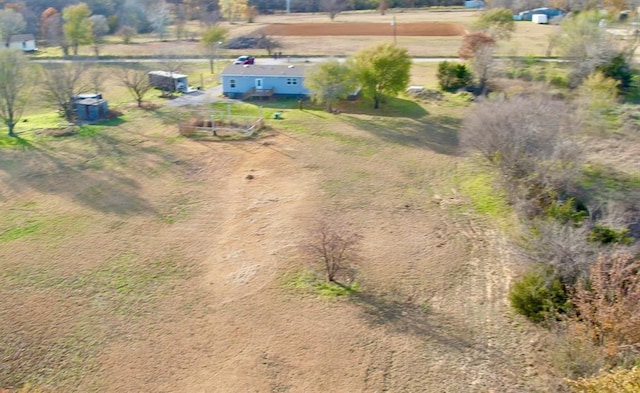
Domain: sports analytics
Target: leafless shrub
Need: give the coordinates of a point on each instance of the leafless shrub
(572, 247)
(528, 140)
(608, 306)
(335, 247)
(573, 354)
(564, 247)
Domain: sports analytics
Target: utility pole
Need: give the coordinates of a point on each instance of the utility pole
(393, 24)
(288, 6)
(217, 57)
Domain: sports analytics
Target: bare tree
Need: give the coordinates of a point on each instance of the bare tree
(11, 22)
(158, 14)
(170, 63)
(61, 83)
(482, 65)
(16, 82)
(333, 7)
(268, 43)
(181, 21)
(336, 249)
(136, 81)
(96, 77)
(383, 6)
(127, 33)
(478, 48)
(100, 28)
(251, 13)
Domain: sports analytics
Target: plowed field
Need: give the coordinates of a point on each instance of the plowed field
(365, 29)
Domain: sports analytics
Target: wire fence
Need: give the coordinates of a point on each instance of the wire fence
(220, 124)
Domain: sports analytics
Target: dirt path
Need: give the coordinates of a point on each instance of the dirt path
(431, 316)
(434, 321)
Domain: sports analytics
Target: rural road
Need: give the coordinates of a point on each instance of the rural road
(260, 60)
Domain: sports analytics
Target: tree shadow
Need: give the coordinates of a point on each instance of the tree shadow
(391, 107)
(7, 141)
(410, 319)
(439, 134)
(98, 172)
(113, 122)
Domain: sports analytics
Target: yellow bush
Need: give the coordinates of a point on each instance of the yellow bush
(621, 381)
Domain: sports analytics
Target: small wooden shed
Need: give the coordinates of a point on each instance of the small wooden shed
(90, 107)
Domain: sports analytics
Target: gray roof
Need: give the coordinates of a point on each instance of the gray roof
(263, 70)
(21, 38)
(173, 75)
(90, 101)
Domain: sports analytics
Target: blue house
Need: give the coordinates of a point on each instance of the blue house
(246, 81)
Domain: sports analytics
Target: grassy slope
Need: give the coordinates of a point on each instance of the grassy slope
(64, 197)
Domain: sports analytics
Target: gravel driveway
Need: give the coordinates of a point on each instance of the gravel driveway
(201, 97)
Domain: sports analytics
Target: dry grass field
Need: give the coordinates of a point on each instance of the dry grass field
(136, 260)
(423, 33)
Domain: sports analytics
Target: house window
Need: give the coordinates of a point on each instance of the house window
(292, 81)
(232, 83)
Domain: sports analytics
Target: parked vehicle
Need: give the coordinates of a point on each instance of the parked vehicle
(245, 60)
(169, 82)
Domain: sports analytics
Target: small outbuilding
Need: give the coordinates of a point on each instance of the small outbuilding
(90, 107)
(550, 14)
(24, 42)
(169, 81)
(246, 81)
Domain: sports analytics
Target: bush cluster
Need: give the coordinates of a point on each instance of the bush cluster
(453, 76)
(538, 295)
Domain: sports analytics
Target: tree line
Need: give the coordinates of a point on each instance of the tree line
(142, 15)
(580, 221)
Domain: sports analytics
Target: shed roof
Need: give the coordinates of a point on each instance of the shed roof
(263, 70)
(21, 38)
(90, 101)
(173, 75)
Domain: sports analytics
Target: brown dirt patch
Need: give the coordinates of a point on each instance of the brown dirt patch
(364, 29)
